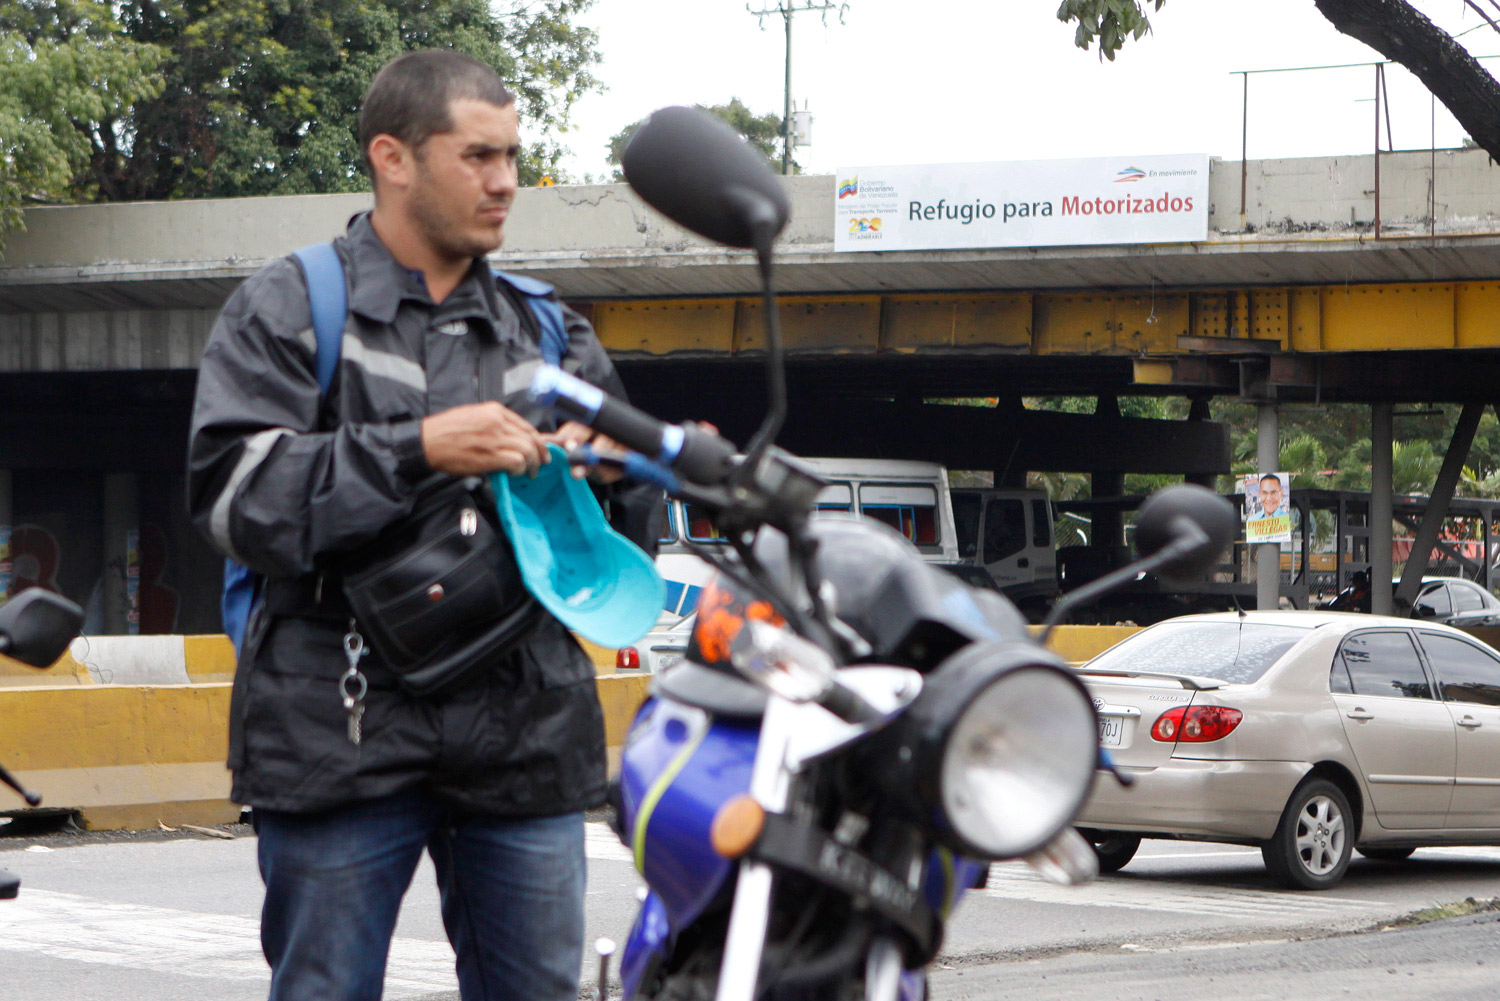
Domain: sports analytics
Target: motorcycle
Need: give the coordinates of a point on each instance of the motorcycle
(854, 735)
(35, 628)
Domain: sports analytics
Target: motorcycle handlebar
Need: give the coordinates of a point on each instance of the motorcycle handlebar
(697, 455)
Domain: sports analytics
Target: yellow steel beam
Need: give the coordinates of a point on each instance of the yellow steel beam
(663, 327)
(1341, 318)
(1476, 314)
(915, 322)
(1388, 317)
(814, 323)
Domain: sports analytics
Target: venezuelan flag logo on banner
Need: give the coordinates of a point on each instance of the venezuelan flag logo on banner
(849, 187)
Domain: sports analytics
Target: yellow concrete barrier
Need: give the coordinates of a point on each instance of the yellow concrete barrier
(1077, 644)
(121, 755)
(138, 755)
(66, 671)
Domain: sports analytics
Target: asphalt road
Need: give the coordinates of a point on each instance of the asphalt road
(156, 919)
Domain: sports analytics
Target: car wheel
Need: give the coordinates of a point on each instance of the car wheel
(1311, 847)
(1386, 854)
(1114, 848)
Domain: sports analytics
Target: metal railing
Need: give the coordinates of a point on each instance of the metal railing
(1382, 111)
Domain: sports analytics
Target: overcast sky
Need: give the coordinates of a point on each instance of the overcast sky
(954, 81)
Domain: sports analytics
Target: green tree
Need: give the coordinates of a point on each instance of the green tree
(1394, 28)
(1414, 467)
(261, 97)
(764, 132)
(61, 69)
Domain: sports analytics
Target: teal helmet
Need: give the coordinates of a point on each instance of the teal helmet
(595, 581)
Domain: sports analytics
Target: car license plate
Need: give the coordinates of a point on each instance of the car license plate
(1111, 730)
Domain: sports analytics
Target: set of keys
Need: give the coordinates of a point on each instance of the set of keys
(352, 683)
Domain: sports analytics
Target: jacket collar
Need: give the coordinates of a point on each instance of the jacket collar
(378, 283)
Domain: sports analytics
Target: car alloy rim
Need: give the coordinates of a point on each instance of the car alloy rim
(1320, 836)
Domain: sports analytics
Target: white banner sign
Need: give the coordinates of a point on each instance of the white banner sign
(1037, 203)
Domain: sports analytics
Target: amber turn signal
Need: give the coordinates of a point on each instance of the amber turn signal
(736, 826)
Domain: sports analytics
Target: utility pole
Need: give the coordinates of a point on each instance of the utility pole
(786, 8)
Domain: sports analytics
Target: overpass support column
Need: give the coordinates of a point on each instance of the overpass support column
(1198, 412)
(121, 520)
(5, 526)
(1437, 503)
(1267, 460)
(1381, 441)
(1109, 523)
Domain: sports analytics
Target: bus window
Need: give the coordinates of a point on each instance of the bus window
(910, 510)
(836, 497)
(699, 527)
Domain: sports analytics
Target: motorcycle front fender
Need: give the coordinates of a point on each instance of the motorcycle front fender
(649, 944)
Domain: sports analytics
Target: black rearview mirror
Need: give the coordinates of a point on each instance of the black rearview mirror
(1174, 516)
(36, 626)
(697, 171)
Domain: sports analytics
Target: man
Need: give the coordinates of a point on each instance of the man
(1272, 497)
(490, 776)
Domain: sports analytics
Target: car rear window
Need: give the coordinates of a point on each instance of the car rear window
(1235, 652)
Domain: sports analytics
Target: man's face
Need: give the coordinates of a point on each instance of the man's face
(465, 180)
(1270, 494)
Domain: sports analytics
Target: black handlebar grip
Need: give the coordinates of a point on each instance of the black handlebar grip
(697, 455)
(635, 429)
(705, 457)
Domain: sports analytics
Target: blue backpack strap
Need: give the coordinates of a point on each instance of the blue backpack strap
(328, 299)
(542, 299)
(328, 295)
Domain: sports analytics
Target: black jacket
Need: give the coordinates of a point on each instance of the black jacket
(285, 479)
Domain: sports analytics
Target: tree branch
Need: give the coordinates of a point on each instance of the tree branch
(1480, 11)
(1404, 35)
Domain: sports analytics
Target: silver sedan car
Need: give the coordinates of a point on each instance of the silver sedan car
(1309, 734)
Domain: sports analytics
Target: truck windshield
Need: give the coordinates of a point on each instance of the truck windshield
(1235, 652)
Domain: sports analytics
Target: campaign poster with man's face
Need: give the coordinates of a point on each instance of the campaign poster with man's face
(1268, 513)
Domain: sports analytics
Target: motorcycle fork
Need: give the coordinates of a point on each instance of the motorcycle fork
(750, 915)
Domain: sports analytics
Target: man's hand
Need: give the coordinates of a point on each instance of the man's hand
(478, 438)
(572, 434)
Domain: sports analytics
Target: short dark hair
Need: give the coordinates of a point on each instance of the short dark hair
(1271, 476)
(410, 96)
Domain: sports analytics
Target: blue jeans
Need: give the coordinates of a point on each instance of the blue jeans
(511, 889)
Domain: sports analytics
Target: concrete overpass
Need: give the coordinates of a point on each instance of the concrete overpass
(1298, 293)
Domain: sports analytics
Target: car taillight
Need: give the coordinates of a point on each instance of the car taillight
(1195, 724)
(627, 659)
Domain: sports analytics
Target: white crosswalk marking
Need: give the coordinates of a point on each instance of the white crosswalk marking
(82, 929)
(599, 842)
(186, 943)
(1014, 881)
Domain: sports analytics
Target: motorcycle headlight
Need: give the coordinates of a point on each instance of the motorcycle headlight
(1005, 744)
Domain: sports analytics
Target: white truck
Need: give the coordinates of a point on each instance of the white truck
(1009, 532)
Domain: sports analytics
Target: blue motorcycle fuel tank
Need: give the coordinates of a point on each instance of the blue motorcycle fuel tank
(680, 765)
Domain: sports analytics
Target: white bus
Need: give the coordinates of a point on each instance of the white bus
(911, 497)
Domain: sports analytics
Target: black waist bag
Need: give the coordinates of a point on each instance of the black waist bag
(439, 594)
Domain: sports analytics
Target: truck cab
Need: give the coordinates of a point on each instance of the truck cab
(1009, 533)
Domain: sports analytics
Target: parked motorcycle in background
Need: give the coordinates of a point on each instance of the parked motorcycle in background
(854, 735)
(36, 627)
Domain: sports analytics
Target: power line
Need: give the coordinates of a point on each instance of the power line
(787, 8)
